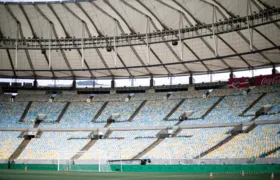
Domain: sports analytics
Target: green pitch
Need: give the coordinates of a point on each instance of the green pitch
(53, 175)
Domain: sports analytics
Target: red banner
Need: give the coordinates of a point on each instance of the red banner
(268, 80)
(238, 82)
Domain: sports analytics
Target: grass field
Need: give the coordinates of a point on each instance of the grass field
(53, 175)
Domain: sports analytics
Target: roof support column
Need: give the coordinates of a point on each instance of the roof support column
(231, 75)
(274, 70)
(250, 30)
(35, 83)
(170, 80)
(93, 83)
(74, 84)
(113, 83)
(152, 82)
(191, 79)
(132, 82)
(253, 75)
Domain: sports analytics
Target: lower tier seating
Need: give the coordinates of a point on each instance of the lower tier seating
(258, 141)
(49, 146)
(274, 155)
(188, 147)
(9, 142)
(188, 144)
(110, 149)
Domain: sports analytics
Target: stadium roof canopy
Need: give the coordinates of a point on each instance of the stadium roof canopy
(136, 38)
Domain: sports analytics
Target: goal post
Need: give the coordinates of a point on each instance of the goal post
(78, 161)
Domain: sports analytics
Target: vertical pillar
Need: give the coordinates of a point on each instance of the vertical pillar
(274, 70)
(132, 82)
(113, 83)
(152, 82)
(93, 83)
(191, 79)
(231, 75)
(35, 83)
(74, 85)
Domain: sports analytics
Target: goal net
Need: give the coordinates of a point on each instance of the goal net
(78, 161)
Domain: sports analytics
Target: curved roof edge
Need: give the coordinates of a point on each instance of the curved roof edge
(41, 1)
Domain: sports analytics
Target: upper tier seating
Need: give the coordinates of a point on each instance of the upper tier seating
(187, 94)
(32, 97)
(5, 98)
(79, 115)
(262, 89)
(154, 112)
(10, 113)
(258, 141)
(72, 97)
(149, 96)
(123, 109)
(110, 97)
(198, 105)
(270, 98)
(52, 110)
(51, 145)
(9, 142)
(269, 117)
(228, 110)
(188, 148)
(226, 92)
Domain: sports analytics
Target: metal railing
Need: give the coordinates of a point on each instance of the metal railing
(168, 35)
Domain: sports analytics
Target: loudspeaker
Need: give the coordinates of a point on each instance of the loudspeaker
(174, 43)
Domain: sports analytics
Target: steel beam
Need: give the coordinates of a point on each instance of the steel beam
(21, 34)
